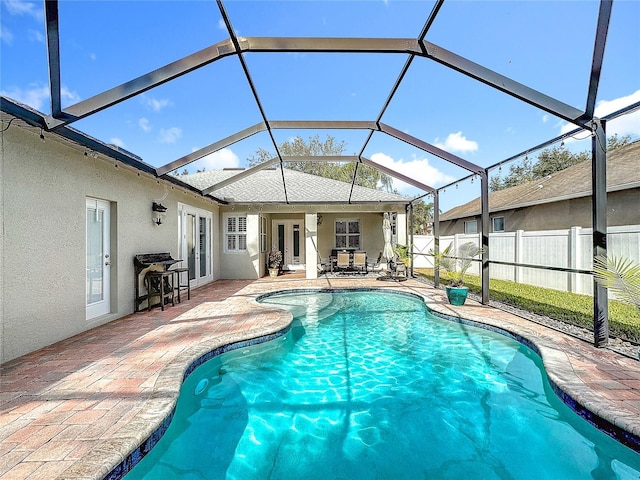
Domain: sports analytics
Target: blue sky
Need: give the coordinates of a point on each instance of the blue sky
(545, 45)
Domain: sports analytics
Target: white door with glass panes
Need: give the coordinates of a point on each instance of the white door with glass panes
(98, 258)
(195, 236)
(287, 237)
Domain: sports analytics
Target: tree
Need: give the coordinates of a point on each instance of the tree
(366, 176)
(556, 159)
(422, 218)
(548, 162)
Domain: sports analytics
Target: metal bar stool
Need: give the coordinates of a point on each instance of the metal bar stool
(179, 286)
(159, 283)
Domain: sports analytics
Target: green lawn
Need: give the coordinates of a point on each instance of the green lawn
(624, 319)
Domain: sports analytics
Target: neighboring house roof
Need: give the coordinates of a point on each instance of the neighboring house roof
(265, 186)
(623, 172)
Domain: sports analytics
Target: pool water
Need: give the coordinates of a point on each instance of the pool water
(369, 385)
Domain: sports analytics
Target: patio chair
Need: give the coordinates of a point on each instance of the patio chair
(360, 262)
(342, 263)
(375, 266)
(324, 265)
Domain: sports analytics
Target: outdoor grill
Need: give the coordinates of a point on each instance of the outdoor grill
(145, 262)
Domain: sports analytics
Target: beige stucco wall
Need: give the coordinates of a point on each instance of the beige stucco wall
(623, 208)
(45, 185)
(241, 265)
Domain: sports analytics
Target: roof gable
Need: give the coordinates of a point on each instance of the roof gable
(266, 186)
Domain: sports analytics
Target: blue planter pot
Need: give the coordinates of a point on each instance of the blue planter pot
(457, 295)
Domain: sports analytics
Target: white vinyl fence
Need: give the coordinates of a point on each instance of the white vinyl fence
(570, 248)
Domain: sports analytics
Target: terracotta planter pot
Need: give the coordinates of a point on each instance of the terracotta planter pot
(457, 295)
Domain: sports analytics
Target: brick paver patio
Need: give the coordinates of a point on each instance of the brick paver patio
(76, 409)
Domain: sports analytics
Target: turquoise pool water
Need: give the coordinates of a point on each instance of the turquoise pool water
(369, 385)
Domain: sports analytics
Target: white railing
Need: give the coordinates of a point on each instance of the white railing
(570, 248)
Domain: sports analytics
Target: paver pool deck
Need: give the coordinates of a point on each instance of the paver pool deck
(76, 409)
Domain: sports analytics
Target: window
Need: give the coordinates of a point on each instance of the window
(471, 226)
(348, 234)
(263, 234)
(498, 224)
(236, 233)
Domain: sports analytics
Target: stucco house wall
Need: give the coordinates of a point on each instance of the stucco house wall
(241, 265)
(44, 188)
(45, 185)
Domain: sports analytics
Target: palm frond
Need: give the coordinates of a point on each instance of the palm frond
(619, 275)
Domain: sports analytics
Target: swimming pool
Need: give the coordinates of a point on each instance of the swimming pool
(369, 385)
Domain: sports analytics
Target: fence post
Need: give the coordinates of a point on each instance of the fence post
(574, 255)
(518, 254)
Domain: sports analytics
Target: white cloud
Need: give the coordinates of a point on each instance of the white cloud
(170, 135)
(224, 158)
(66, 94)
(155, 104)
(117, 142)
(18, 7)
(221, 25)
(143, 123)
(36, 36)
(456, 142)
(628, 124)
(92, 57)
(417, 169)
(35, 97)
(545, 118)
(5, 35)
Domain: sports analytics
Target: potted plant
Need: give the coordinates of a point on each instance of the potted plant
(402, 253)
(275, 260)
(456, 263)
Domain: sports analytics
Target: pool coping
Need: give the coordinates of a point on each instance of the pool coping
(114, 458)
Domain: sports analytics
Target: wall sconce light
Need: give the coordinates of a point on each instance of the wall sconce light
(159, 212)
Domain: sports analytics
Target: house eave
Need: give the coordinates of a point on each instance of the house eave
(561, 198)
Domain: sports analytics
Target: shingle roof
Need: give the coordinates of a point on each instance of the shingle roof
(265, 186)
(623, 172)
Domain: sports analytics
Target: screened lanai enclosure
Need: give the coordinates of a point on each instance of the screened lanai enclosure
(439, 96)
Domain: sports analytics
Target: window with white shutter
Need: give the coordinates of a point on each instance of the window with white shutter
(236, 233)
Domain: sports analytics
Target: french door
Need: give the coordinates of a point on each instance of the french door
(98, 263)
(287, 237)
(195, 244)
